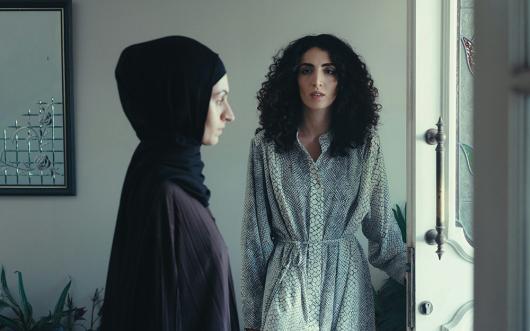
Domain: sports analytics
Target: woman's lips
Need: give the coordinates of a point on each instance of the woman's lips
(317, 95)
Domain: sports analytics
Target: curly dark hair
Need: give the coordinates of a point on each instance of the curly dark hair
(354, 113)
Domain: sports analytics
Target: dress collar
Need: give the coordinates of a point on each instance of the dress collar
(324, 140)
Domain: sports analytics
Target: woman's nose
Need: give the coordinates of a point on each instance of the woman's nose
(229, 114)
(317, 80)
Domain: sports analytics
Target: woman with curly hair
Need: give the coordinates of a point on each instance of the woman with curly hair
(316, 174)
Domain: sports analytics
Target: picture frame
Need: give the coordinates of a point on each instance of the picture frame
(36, 98)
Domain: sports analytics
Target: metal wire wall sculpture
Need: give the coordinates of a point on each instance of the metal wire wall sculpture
(32, 150)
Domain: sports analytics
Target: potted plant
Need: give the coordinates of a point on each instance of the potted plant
(18, 315)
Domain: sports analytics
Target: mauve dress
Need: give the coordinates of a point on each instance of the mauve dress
(169, 267)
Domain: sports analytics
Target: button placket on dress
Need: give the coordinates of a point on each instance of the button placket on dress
(316, 230)
(315, 234)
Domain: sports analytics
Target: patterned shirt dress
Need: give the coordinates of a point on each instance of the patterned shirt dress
(303, 268)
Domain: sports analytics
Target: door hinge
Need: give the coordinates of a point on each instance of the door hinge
(411, 289)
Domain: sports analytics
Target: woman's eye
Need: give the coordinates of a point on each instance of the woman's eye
(220, 101)
(305, 71)
(330, 71)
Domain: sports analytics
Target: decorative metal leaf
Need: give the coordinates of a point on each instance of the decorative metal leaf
(470, 54)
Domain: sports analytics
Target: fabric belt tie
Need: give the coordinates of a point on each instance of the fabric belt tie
(295, 258)
(294, 254)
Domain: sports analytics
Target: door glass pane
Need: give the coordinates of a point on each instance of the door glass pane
(466, 66)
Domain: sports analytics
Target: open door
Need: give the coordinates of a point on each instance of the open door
(440, 169)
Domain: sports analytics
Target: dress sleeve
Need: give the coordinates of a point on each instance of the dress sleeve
(386, 249)
(256, 240)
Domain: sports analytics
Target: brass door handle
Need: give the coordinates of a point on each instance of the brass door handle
(436, 235)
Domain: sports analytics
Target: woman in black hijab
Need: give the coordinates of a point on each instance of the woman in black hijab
(169, 267)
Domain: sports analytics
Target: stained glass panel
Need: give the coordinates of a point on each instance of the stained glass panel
(466, 67)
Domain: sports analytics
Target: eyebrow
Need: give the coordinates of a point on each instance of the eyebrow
(312, 65)
(221, 92)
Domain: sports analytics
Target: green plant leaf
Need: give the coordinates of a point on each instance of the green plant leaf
(58, 312)
(42, 323)
(10, 323)
(4, 304)
(27, 310)
(5, 290)
(402, 215)
(401, 221)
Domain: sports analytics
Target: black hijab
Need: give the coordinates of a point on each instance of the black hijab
(165, 87)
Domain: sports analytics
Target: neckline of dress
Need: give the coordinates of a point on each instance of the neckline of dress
(323, 140)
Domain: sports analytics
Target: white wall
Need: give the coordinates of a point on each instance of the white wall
(48, 238)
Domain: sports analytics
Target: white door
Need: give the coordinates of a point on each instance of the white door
(440, 288)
